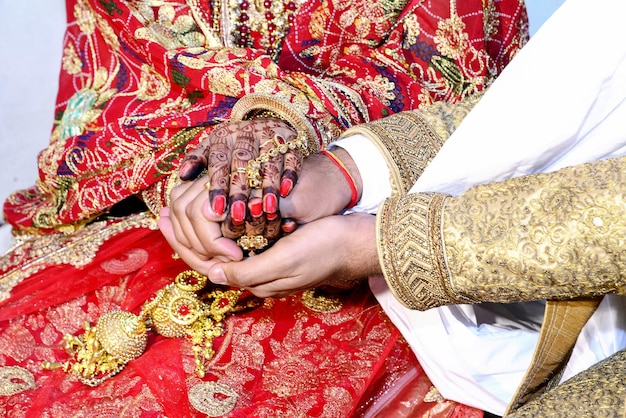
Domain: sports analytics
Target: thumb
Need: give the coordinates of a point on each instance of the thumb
(217, 274)
(235, 273)
(247, 273)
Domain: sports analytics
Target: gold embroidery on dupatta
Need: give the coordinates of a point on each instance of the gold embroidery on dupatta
(14, 380)
(164, 28)
(85, 105)
(320, 301)
(33, 253)
(202, 397)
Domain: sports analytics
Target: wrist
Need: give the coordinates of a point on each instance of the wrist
(345, 167)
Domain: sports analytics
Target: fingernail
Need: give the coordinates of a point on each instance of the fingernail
(219, 204)
(288, 226)
(189, 170)
(238, 212)
(217, 276)
(269, 203)
(256, 209)
(285, 187)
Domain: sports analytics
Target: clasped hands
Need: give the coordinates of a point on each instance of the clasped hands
(298, 201)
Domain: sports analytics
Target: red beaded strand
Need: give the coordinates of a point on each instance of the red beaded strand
(274, 20)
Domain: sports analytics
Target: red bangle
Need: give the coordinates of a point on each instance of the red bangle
(351, 183)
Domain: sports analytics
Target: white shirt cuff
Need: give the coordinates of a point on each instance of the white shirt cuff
(372, 168)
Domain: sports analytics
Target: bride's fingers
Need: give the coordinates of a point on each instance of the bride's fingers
(245, 149)
(271, 171)
(255, 221)
(194, 162)
(219, 166)
(291, 172)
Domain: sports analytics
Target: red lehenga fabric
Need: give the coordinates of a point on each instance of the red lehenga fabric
(293, 357)
(141, 83)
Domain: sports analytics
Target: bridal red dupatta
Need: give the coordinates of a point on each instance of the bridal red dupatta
(317, 355)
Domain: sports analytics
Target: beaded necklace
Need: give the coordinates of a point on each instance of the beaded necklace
(246, 23)
(262, 23)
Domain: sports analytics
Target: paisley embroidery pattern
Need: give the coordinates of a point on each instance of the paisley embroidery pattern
(14, 380)
(143, 81)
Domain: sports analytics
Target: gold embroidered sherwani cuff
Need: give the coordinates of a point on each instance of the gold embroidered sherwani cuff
(410, 140)
(406, 141)
(551, 236)
(411, 252)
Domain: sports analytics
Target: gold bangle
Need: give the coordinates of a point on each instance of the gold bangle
(262, 114)
(255, 104)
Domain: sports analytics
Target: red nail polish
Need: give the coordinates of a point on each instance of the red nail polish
(256, 209)
(190, 169)
(238, 212)
(219, 204)
(184, 172)
(288, 227)
(269, 203)
(285, 187)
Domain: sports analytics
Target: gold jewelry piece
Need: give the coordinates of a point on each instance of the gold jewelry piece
(177, 310)
(207, 185)
(276, 140)
(252, 243)
(253, 171)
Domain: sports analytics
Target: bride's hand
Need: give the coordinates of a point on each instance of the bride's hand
(225, 155)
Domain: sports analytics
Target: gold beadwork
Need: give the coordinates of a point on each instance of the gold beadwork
(15, 379)
(122, 334)
(177, 310)
(319, 300)
(253, 171)
(252, 242)
(202, 396)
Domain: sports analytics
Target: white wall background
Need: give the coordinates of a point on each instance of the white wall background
(31, 35)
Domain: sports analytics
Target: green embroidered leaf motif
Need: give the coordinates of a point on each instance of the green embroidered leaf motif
(110, 7)
(451, 73)
(180, 78)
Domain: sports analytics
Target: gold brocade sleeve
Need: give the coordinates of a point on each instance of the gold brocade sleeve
(410, 140)
(549, 236)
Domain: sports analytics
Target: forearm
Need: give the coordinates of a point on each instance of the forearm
(545, 236)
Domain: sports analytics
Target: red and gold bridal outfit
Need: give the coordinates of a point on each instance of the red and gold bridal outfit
(141, 83)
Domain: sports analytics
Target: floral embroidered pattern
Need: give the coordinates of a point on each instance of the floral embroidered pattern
(142, 81)
(540, 237)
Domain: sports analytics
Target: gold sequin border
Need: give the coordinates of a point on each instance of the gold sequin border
(411, 250)
(408, 144)
(77, 249)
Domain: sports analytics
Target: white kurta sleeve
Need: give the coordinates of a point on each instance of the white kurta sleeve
(373, 171)
(560, 102)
